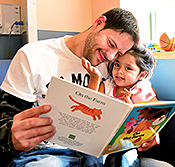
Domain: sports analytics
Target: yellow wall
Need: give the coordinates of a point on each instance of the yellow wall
(63, 15)
(101, 6)
(70, 15)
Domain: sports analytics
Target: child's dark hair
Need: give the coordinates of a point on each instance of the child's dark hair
(145, 60)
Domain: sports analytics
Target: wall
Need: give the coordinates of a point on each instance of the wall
(67, 15)
(62, 17)
(101, 6)
(163, 79)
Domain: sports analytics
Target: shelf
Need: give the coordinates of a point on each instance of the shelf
(164, 55)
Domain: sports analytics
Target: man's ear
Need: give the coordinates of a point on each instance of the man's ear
(143, 75)
(99, 21)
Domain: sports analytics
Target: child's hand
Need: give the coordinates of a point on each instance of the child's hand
(94, 72)
(147, 145)
(126, 96)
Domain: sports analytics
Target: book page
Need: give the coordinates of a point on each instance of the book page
(85, 120)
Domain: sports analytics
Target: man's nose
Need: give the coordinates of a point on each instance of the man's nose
(111, 55)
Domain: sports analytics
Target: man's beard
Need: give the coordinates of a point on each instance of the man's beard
(89, 48)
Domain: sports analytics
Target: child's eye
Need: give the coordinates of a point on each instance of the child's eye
(116, 65)
(128, 68)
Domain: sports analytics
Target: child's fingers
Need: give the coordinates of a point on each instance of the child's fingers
(85, 63)
(147, 145)
(126, 92)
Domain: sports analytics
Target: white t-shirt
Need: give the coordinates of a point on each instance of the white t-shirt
(34, 64)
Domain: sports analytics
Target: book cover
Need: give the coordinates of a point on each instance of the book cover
(87, 120)
(144, 121)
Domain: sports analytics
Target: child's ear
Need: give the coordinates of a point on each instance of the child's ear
(99, 21)
(143, 75)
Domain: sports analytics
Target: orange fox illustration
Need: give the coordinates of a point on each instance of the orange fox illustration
(86, 110)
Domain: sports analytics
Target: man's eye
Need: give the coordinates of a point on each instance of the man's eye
(111, 44)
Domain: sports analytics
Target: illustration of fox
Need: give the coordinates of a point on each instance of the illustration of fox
(86, 110)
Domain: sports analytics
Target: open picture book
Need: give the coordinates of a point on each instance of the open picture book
(96, 124)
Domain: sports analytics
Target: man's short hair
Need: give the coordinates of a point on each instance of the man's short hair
(122, 20)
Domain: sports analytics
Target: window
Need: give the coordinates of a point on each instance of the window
(154, 17)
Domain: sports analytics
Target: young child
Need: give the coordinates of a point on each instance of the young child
(128, 81)
(129, 75)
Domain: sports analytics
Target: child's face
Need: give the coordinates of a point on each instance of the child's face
(126, 72)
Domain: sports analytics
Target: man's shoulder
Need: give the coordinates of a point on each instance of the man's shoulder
(43, 49)
(43, 43)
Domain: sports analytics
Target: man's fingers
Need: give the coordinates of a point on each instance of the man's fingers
(32, 112)
(28, 144)
(35, 132)
(33, 122)
(28, 129)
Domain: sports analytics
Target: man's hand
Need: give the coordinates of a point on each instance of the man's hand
(29, 129)
(147, 145)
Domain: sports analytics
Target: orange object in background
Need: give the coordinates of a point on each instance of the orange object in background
(165, 43)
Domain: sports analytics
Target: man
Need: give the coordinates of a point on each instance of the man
(29, 74)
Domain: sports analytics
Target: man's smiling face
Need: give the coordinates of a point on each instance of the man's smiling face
(105, 45)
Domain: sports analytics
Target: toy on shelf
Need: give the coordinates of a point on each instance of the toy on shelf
(165, 43)
(152, 46)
